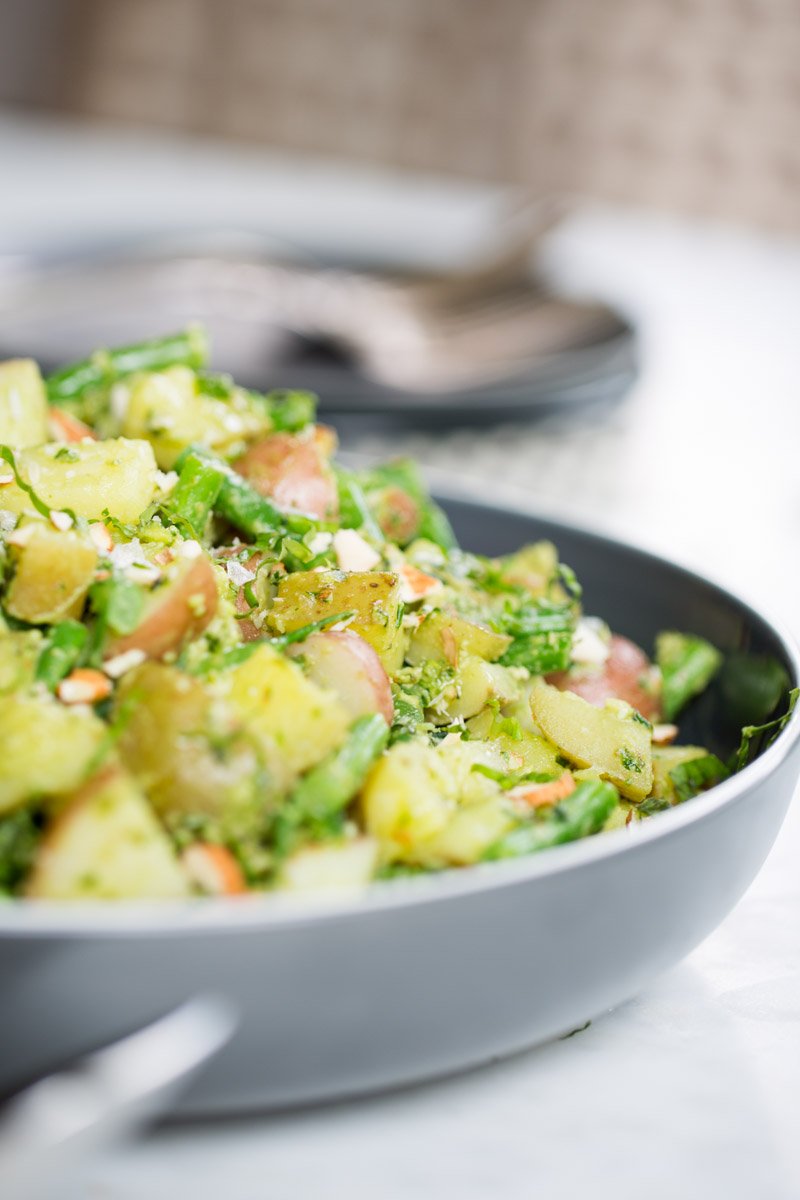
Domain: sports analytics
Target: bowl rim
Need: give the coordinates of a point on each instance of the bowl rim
(262, 912)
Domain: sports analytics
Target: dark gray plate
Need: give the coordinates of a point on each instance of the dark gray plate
(253, 296)
(423, 977)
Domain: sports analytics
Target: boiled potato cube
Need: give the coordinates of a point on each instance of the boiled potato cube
(532, 567)
(296, 722)
(52, 574)
(407, 799)
(44, 748)
(528, 752)
(19, 654)
(167, 743)
(478, 682)
(448, 636)
(23, 404)
(178, 609)
(614, 740)
(471, 831)
(665, 759)
(374, 596)
(415, 791)
(107, 844)
(165, 408)
(331, 866)
(88, 477)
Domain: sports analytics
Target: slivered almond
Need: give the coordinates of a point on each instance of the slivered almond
(101, 537)
(664, 735)
(214, 869)
(66, 428)
(352, 552)
(84, 686)
(534, 795)
(415, 584)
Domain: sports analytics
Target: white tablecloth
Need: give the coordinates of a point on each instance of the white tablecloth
(692, 1088)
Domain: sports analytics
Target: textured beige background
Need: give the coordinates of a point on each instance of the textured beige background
(691, 105)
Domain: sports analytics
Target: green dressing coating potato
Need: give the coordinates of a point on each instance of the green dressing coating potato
(23, 404)
(426, 805)
(374, 597)
(616, 743)
(45, 748)
(53, 571)
(117, 475)
(175, 612)
(166, 408)
(164, 743)
(295, 722)
(107, 844)
(447, 636)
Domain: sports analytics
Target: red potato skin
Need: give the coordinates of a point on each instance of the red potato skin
(345, 663)
(398, 515)
(620, 677)
(293, 472)
(173, 615)
(248, 631)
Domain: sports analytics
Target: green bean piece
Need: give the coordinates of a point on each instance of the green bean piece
(751, 687)
(542, 633)
(329, 787)
(758, 738)
(240, 504)
(196, 492)
(697, 775)
(584, 812)
(354, 509)
(20, 834)
(688, 664)
(290, 410)
(436, 527)
(300, 635)
(62, 652)
(188, 348)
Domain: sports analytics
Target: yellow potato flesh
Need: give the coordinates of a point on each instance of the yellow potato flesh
(52, 574)
(23, 404)
(617, 746)
(116, 475)
(107, 844)
(374, 597)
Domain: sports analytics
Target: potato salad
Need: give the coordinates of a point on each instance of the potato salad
(228, 664)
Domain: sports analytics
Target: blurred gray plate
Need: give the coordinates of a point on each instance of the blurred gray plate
(426, 976)
(371, 343)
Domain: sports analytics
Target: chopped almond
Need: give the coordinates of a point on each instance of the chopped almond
(120, 664)
(61, 521)
(84, 686)
(352, 552)
(415, 584)
(535, 795)
(214, 869)
(66, 428)
(664, 735)
(21, 536)
(450, 646)
(101, 536)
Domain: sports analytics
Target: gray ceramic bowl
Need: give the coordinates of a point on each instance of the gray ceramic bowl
(426, 976)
